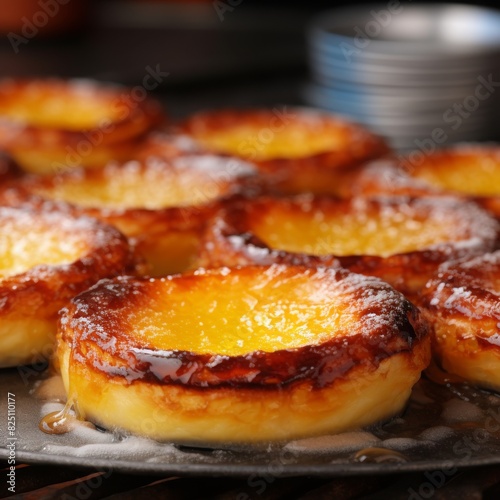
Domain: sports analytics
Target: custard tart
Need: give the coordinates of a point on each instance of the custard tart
(472, 170)
(265, 353)
(462, 302)
(296, 149)
(468, 170)
(46, 258)
(402, 240)
(162, 206)
(51, 125)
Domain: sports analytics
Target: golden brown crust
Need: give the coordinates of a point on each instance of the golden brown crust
(296, 149)
(49, 125)
(237, 415)
(324, 231)
(110, 308)
(384, 177)
(462, 303)
(98, 341)
(47, 258)
(468, 170)
(45, 288)
(471, 169)
(163, 205)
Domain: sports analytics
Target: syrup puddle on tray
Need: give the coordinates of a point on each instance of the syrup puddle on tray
(62, 421)
(438, 416)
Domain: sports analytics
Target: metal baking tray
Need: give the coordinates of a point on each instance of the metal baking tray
(443, 427)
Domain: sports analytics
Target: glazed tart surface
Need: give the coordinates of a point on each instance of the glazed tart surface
(49, 125)
(293, 134)
(296, 149)
(399, 239)
(182, 182)
(468, 170)
(240, 355)
(46, 258)
(162, 204)
(472, 170)
(462, 302)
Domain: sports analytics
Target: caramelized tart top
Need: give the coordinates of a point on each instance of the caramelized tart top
(52, 107)
(358, 226)
(47, 257)
(55, 104)
(27, 241)
(468, 169)
(154, 185)
(294, 133)
(36, 241)
(469, 288)
(263, 325)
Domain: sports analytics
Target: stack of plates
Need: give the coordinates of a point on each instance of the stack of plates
(415, 74)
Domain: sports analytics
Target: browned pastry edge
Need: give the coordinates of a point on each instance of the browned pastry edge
(360, 144)
(461, 302)
(137, 117)
(43, 290)
(229, 241)
(399, 176)
(95, 325)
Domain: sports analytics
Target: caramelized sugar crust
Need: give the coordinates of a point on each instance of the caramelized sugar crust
(462, 302)
(45, 259)
(384, 177)
(253, 326)
(467, 169)
(162, 205)
(208, 344)
(401, 240)
(472, 171)
(49, 124)
(297, 149)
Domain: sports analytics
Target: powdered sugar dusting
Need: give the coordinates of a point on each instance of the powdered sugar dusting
(347, 441)
(457, 410)
(157, 183)
(464, 285)
(32, 238)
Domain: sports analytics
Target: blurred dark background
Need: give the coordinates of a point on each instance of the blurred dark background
(216, 52)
